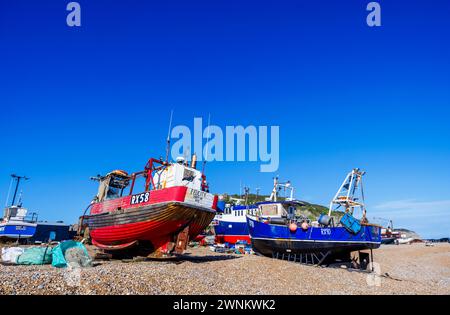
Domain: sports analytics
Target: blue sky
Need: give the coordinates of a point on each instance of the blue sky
(76, 102)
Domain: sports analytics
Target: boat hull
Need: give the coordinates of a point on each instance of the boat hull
(232, 239)
(388, 240)
(231, 232)
(154, 224)
(273, 240)
(17, 230)
(272, 247)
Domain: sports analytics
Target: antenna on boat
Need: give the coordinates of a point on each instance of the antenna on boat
(207, 144)
(19, 202)
(246, 192)
(240, 188)
(204, 183)
(168, 137)
(18, 179)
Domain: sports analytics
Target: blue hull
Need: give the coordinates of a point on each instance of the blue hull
(17, 231)
(273, 239)
(231, 228)
(231, 232)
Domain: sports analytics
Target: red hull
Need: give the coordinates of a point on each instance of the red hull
(116, 224)
(232, 239)
(156, 196)
(156, 232)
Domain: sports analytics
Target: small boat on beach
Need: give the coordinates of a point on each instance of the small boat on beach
(403, 240)
(389, 236)
(230, 226)
(277, 229)
(17, 223)
(172, 206)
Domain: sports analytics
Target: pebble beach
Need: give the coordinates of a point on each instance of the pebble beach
(402, 269)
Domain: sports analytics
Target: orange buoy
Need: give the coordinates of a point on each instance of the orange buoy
(293, 227)
(305, 226)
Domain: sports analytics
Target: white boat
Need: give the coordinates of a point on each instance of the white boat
(405, 240)
(17, 224)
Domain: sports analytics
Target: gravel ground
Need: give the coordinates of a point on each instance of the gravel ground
(411, 269)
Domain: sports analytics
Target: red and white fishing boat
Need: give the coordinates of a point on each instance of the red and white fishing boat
(173, 206)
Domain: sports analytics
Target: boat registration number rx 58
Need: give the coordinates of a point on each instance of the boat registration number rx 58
(140, 198)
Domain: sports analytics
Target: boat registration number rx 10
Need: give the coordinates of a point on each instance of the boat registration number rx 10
(325, 231)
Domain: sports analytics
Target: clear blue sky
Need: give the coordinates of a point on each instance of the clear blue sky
(75, 102)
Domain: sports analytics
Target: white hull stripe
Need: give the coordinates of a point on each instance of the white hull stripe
(18, 224)
(311, 241)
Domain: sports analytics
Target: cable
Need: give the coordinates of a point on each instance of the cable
(9, 192)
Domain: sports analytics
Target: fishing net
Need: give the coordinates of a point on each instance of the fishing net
(77, 256)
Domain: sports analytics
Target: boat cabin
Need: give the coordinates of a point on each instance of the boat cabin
(16, 213)
(178, 174)
(157, 175)
(286, 209)
(238, 210)
(112, 185)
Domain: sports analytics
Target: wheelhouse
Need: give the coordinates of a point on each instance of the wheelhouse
(156, 175)
(282, 209)
(17, 213)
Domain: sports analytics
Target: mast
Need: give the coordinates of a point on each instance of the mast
(246, 191)
(278, 186)
(18, 179)
(273, 195)
(168, 137)
(204, 183)
(347, 195)
(207, 144)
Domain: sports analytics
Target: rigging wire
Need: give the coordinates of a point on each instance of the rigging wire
(9, 192)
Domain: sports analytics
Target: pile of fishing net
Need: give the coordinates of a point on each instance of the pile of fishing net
(71, 253)
(65, 254)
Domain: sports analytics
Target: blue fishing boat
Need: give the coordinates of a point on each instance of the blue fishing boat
(17, 223)
(230, 226)
(278, 230)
